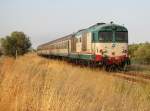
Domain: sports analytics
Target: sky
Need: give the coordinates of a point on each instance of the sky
(46, 20)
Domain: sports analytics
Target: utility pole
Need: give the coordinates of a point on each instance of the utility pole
(16, 54)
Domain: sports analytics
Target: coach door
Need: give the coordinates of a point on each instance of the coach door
(84, 42)
(89, 40)
(73, 44)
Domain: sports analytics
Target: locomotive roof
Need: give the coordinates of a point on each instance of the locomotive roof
(107, 26)
(101, 27)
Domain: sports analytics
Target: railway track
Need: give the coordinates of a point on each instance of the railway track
(133, 77)
(130, 76)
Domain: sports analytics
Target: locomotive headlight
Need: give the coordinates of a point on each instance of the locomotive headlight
(124, 51)
(101, 50)
(113, 53)
(105, 51)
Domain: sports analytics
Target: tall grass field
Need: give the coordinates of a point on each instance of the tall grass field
(33, 83)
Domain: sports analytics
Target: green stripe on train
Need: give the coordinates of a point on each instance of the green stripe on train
(82, 56)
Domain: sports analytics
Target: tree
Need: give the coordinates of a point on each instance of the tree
(16, 42)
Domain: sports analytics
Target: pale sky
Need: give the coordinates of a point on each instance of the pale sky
(45, 20)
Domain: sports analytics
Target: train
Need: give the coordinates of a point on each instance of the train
(103, 45)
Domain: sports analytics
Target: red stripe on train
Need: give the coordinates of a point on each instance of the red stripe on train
(98, 58)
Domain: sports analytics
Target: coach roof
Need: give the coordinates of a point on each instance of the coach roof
(58, 40)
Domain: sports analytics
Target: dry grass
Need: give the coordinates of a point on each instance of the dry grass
(31, 83)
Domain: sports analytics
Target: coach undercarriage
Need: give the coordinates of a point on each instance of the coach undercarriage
(105, 64)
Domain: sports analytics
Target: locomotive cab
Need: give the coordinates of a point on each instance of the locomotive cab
(110, 43)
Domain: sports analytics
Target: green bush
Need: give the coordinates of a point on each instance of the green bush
(17, 43)
(132, 49)
(140, 53)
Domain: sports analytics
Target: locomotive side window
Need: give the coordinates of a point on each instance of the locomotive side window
(93, 37)
(105, 36)
(121, 36)
(79, 39)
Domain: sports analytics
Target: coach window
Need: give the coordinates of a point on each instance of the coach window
(65, 44)
(93, 37)
(80, 39)
(62, 45)
(59, 45)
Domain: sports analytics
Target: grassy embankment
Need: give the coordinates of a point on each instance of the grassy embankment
(140, 68)
(31, 83)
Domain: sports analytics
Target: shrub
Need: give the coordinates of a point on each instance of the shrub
(140, 53)
(17, 42)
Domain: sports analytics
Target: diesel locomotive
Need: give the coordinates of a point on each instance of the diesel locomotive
(103, 44)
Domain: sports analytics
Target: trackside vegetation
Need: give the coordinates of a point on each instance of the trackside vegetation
(140, 53)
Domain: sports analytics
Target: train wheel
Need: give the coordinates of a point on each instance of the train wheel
(113, 68)
(125, 68)
(107, 68)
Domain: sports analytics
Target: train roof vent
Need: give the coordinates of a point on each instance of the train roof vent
(81, 30)
(100, 23)
(97, 24)
(111, 22)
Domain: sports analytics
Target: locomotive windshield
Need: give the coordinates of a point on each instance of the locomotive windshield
(121, 36)
(113, 36)
(105, 36)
